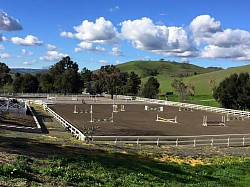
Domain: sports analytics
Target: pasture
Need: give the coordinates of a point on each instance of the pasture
(136, 121)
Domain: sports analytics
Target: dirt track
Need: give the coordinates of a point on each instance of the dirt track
(136, 121)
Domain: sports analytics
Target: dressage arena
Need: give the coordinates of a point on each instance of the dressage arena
(134, 120)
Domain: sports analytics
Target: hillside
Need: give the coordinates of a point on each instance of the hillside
(164, 71)
(201, 82)
(166, 68)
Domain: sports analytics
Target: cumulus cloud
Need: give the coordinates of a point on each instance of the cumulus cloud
(8, 23)
(5, 55)
(25, 52)
(219, 43)
(67, 34)
(145, 35)
(229, 38)
(51, 47)
(2, 38)
(203, 27)
(100, 31)
(29, 63)
(29, 40)
(116, 51)
(52, 56)
(86, 46)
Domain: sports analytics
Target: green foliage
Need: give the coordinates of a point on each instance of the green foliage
(26, 83)
(133, 84)
(65, 76)
(151, 88)
(5, 77)
(184, 90)
(110, 79)
(233, 92)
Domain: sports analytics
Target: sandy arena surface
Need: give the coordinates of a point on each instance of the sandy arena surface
(136, 121)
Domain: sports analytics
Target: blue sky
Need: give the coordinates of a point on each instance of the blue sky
(37, 34)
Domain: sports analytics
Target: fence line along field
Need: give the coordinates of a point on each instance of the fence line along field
(134, 120)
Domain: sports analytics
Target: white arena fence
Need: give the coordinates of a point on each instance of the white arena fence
(20, 107)
(195, 141)
(201, 140)
(76, 133)
(188, 105)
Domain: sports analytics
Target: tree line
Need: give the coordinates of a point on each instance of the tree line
(64, 77)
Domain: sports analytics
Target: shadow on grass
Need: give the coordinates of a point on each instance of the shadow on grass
(163, 172)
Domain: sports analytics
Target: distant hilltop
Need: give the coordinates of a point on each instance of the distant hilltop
(27, 70)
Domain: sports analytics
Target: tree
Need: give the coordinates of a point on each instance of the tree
(46, 83)
(86, 76)
(133, 84)
(17, 84)
(233, 92)
(5, 77)
(109, 79)
(65, 76)
(151, 88)
(4, 68)
(26, 83)
(212, 82)
(180, 88)
(29, 84)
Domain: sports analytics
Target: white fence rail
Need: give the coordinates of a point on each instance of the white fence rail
(76, 133)
(202, 140)
(188, 105)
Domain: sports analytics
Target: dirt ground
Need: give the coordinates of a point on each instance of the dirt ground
(135, 121)
(19, 120)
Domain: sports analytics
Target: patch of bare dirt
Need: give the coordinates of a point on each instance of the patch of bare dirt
(14, 119)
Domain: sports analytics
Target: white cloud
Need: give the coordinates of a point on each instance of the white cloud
(51, 47)
(29, 63)
(219, 43)
(116, 8)
(229, 38)
(237, 53)
(105, 62)
(25, 52)
(29, 40)
(102, 31)
(8, 23)
(145, 35)
(52, 56)
(67, 34)
(5, 55)
(116, 51)
(2, 47)
(203, 27)
(118, 62)
(2, 38)
(86, 46)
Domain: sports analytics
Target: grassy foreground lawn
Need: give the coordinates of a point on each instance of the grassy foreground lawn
(57, 159)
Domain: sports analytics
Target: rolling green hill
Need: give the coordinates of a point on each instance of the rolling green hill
(164, 71)
(201, 82)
